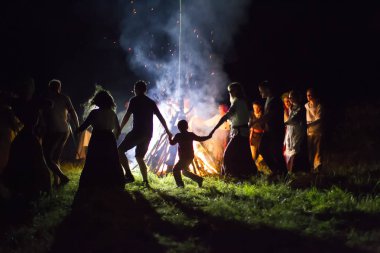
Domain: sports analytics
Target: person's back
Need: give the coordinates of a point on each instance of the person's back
(275, 119)
(142, 108)
(56, 128)
(185, 144)
(102, 169)
(57, 116)
(103, 119)
(186, 153)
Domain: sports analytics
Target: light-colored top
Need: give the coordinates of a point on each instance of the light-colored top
(238, 115)
(57, 116)
(313, 113)
(101, 120)
(295, 131)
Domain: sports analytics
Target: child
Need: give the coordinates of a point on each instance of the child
(186, 153)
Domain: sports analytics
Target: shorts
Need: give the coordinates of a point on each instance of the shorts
(133, 139)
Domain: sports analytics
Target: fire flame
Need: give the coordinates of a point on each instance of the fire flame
(208, 155)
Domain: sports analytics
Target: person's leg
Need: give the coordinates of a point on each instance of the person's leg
(128, 143)
(49, 144)
(141, 150)
(177, 174)
(229, 159)
(266, 153)
(192, 176)
(60, 144)
(313, 143)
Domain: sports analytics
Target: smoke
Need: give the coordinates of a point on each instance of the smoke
(150, 35)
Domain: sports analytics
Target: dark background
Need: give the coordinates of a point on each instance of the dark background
(331, 45)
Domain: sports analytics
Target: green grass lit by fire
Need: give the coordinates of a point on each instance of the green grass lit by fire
(183, 220)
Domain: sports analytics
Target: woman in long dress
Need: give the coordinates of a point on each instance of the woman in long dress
(102, 169)
(295, 139)
(237, 159)
(26, 174)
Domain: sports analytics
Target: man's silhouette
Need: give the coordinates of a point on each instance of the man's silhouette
(142, 108)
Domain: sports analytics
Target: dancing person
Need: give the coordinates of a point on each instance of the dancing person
(237, 159)
(255, 135)
(142, 108)
(102, 167)
(286, 103)
(26, 174)
(186, 153)
(314, 117)
(295, 138)
(9, 126)
(57, 129)
(271, 144)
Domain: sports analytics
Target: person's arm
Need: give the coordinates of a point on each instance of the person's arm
(292, 119)
(318, 115)
(172, 140)
(125, 119)
(117, 129)
(162, 120)
(221, 121)
(86, 123)
(202, 138)
(73, 113)
(286, 114)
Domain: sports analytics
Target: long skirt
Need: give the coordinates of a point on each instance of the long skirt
(102, 168)
(26, 174)
(237, 160)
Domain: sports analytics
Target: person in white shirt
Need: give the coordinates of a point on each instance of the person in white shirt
(237, 160)
(314, 118)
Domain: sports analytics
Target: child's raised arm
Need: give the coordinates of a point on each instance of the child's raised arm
(202, 138)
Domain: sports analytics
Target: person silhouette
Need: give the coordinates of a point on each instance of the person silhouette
(315, 130)
(186, 153)
(57, 129)
(271, 145)
(295, 137)
(237, 159)
(142, 108)
(102, 167)
(26, 174)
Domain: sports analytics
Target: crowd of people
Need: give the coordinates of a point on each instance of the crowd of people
(282, 136)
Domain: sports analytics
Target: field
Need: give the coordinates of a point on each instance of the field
(303, 214)
(337, 211)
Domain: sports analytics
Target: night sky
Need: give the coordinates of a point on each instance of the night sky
(295, 44)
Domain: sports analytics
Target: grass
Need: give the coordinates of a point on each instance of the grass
(302, 214)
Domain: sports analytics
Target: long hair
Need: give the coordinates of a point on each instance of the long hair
(101, 98)
(238, 88)
(239, 93)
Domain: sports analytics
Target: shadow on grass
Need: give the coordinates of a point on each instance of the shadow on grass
(353, 220)
(220, 235)
(321, 181)
(108, 222)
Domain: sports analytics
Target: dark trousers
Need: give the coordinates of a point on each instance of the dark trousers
(183, 164)
(271, 150)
